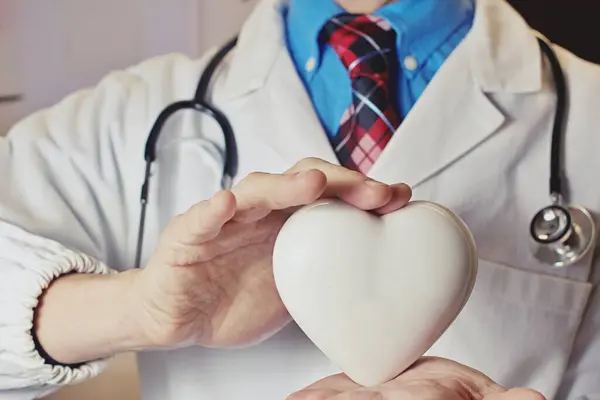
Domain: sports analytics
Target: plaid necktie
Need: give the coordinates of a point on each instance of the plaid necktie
(366, 46)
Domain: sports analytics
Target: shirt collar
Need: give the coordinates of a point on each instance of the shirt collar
(304, 21)
(422, 26)
(503, 53)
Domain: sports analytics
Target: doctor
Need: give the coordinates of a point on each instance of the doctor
(457, 104)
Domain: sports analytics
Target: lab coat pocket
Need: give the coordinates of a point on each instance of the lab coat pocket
(518, 326)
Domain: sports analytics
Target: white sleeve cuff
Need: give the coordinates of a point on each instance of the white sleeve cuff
(28, 264)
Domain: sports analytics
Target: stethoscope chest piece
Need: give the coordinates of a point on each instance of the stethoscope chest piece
(563, 235)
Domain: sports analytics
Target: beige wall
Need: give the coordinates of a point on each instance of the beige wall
(10, 64)
(50, 48)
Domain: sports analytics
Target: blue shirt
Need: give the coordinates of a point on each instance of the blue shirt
(427, 32)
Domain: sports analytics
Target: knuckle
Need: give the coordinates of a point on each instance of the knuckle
(181, 226)
(182, 254)
(255, 175)
(173, 228)
(189, 227)
(309, 163)
(201, 254)
(178, 220)
(176, 255)
(277, 203)
(344, 173)
(195, 212)
(356, 175)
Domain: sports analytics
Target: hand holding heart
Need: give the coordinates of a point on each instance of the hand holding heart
(428, 379)
(210, 280)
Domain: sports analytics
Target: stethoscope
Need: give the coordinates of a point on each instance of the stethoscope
(199, 103)
(562, 234)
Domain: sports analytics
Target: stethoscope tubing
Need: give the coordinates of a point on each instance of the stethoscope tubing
(201, 104)
(556, 186)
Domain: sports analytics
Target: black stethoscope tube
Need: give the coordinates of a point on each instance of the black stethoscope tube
(556, 187)
(201, 104)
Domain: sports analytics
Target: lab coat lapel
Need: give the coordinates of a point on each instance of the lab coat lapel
(457, 112)
(262, 72)
(296, 132)
(452, 117)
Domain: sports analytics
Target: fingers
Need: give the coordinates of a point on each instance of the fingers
(516, 394)
(203, 221)
(261, 193)
(325, 388)
(310, 180)
(350, 186)
(401, 195)
(315, 394)
(339, 383)
(331, 394)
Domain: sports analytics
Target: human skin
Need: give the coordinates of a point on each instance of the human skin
(210, 280)
(428, 379)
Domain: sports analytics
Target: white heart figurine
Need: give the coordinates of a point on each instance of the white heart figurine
(374, 293)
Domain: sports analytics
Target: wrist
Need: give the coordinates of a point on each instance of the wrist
(86, 317)
(150, 325)
(131, 334)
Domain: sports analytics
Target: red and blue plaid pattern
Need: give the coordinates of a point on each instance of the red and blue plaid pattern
(366, 46)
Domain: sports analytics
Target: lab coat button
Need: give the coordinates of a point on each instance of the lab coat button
(310, 64)
(410, 63)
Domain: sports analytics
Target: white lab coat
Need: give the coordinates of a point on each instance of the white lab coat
(477, 141)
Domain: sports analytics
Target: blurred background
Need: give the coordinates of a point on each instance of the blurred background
(51, 48)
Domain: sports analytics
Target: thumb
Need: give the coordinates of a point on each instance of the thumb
(197, 226)
(516, 394)
(203, 221)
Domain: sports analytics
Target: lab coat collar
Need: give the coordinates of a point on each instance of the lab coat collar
(503, 52)
(260, 42)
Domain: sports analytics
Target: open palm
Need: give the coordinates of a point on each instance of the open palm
(428, 379)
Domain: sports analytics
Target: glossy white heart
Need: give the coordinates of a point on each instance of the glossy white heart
(374, 293)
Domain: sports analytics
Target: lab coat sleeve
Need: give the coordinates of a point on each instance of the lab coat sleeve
(69, 202)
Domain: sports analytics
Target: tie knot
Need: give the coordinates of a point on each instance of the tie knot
(365, 44)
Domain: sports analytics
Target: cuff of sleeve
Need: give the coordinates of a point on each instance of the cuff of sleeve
(28, 264)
